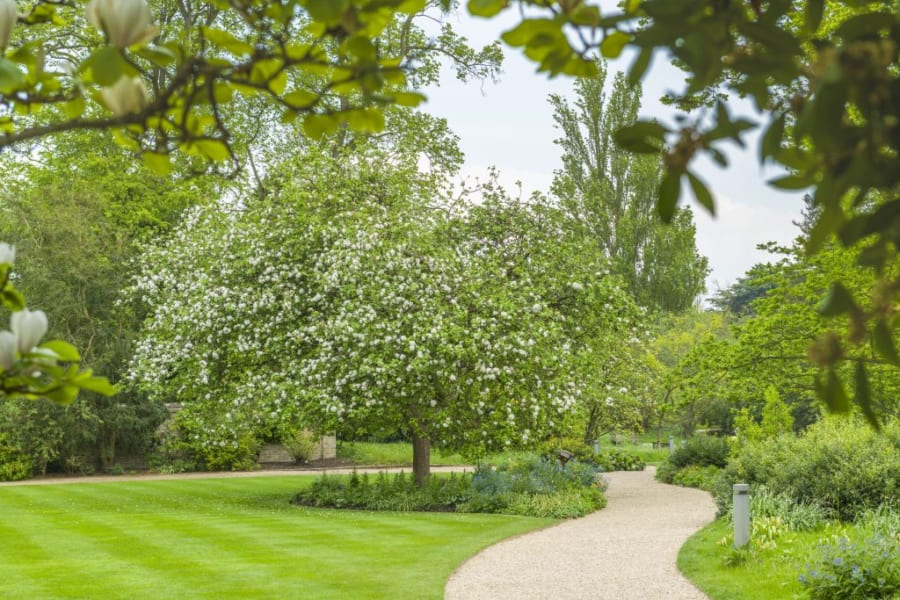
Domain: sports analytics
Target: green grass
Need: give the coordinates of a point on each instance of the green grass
(639, 444)
(226, 538)
(770, 574)
(400, 453)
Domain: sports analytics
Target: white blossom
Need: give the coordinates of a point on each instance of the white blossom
(8, 17)
(125, 22)
(127, 96)
(7, 252)
(7, 350)
(29, 327)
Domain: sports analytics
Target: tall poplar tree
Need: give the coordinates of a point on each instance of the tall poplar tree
(610, 195)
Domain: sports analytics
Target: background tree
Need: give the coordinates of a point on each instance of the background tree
(610, 195)
(78, 211)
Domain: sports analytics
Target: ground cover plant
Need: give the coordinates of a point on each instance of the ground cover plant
(228, 537)
(833, 561)
(525, 485)
(825, 519)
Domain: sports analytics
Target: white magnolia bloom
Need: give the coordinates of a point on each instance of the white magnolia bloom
(7, 252)
(8, 18)
(125, 22)
(127, 96)
(29, 326)
(7, 350)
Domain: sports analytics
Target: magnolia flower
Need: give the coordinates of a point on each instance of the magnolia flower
(8, 17)
(127, 96)
(125, 22)
(7, 350)
(29, 326)
(7, 252)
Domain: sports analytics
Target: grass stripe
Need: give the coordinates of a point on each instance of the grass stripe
(225, 538)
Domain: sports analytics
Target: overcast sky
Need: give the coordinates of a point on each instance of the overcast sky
(510, 125)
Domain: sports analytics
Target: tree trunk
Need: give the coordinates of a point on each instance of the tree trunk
(421, 459)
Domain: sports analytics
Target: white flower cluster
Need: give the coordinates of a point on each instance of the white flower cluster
(377, 318)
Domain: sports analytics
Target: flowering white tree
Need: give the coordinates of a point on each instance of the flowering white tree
(356, 302)
(479, 331)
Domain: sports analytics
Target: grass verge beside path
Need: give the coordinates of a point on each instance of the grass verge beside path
(226, 538)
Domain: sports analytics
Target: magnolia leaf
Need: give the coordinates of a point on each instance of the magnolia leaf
(107, 65)
(411, 99)
(834, 395)
(837, 302)
(63, 395)
(790, 182)
(316, 126)
(11, 78)
(63, 350)
(301, 99)
(486, 8)
(100, 385)
(813, 16)
(327, 11)
(612, 44)
(863, 396)
(227, 41)
(669, 191)
(702, 194)
(883, 341)
(159, 163)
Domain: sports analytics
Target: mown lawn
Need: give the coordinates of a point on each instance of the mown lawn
(225, 538)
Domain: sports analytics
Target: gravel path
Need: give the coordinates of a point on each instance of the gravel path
(625, 551)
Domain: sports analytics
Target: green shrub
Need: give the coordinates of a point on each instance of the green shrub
(15, 464)
(300, 443)
(704, 478)
(869, 570)
(840, 465)
(531, 487)
(609, 460)
(701, 451)
(565, 504)
(665, 472)
(617, 460)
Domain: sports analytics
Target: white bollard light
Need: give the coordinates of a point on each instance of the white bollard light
(671, 444)
(741, 514)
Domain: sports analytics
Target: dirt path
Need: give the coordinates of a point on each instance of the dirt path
(625, 551)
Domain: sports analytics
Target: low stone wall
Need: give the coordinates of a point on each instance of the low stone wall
(277, 454)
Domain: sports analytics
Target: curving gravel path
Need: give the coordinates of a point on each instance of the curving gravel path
(627, 550)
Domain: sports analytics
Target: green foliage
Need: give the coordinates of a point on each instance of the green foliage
(619, 460)
(14, 463)
(776, 416)
(300, 443)
(701, 451)
(841, 466)
(530, 487)
(236, 451)
(865, 570)
(704, 478)
(611, 197)
(607, 460)
(385, 492)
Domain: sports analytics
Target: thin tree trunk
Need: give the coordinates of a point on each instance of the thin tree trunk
(421, 459)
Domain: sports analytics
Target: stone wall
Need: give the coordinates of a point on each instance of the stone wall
(277, 454)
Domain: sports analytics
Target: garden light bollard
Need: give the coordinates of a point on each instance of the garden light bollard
(671, 444)
(596, 446)
(741, 514)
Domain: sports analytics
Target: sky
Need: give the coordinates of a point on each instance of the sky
(509, 125)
